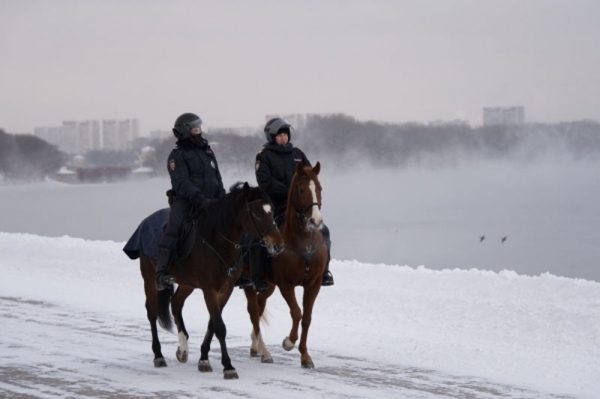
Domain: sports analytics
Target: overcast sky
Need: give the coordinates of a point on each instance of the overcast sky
(232, 62)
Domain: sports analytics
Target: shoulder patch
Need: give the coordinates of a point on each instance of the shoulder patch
(172, 165)
(257, 164)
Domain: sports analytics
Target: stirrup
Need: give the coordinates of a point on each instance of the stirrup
(243, 282)
(260, 285)
(165, 281)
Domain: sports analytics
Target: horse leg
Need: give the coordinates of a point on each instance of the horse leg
(203, 362)
(177, 303)
(218, 326)
(256, 306)
(252, 308)
(308, 301)
(290, 297)
(147, 270)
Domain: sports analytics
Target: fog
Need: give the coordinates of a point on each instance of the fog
(548, 210)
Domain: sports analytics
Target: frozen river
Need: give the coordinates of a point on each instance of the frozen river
(548, 212)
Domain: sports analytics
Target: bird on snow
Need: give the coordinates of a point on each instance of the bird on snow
(503, 239)
(481, 238)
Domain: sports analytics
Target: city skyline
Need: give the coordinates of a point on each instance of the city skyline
(234, 62)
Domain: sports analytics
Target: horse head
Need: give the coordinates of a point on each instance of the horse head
(305, 195)
(258, 219)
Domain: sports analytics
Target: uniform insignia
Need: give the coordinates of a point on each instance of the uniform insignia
(257, 165)
(297, 159)
(172, 164)
(212, 163)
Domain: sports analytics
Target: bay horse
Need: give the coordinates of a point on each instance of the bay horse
(213, 266)
(302, 263)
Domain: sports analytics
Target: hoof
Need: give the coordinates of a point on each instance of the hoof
(253, 352)
(230, 374)
(287, 344)
(266, 359)
(182, 356)
(160, 362)
(204, 366)
(307, 364)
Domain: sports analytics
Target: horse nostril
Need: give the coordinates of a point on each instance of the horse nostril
(312, 221)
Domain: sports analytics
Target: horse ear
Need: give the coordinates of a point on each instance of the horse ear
(246, 187)
(317, 168)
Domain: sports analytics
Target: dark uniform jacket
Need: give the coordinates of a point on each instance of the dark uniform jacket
(275, 167)
(194, 171)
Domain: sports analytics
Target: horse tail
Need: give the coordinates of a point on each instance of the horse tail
(164, 308)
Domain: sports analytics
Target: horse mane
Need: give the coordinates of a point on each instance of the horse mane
(220, 216)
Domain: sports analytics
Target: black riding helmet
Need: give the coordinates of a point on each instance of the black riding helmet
(275, 126)
(184, 125)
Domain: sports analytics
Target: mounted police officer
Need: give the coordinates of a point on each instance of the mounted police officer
(195, 182)
(275, 167)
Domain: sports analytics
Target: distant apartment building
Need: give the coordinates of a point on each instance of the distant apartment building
(78, 137)
(110, 132)
(89, 136)
(493, 116)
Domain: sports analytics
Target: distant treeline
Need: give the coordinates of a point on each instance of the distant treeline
(339, 141)
(344, 140)
(26, 157)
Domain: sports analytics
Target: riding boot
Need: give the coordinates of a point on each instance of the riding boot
(163, 279)
(257, 266)
(327, 277)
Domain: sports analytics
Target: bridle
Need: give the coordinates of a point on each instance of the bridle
(302, 212)
(257, 230)
(244, 248)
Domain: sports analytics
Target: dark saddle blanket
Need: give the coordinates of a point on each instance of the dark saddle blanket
(146, 237)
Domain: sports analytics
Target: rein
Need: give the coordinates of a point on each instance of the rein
(230, 269)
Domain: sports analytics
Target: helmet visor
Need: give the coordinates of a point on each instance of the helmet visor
(195, 127)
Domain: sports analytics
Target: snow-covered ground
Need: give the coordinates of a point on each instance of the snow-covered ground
(74, 325)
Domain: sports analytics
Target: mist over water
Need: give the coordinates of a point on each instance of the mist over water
(548, 210)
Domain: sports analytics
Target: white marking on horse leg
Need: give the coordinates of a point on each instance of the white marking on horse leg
(267, 208)
(265, 355)
(183, 342)
(254, 344)
(287, 344)
(315, 213)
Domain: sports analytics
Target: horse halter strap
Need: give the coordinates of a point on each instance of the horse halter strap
(230, 269)
(302, 212)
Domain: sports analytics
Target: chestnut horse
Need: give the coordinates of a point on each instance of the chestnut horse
(213, 266)
(302, 263)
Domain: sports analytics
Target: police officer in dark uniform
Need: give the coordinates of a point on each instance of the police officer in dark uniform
(275, 167)
(195, 182)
